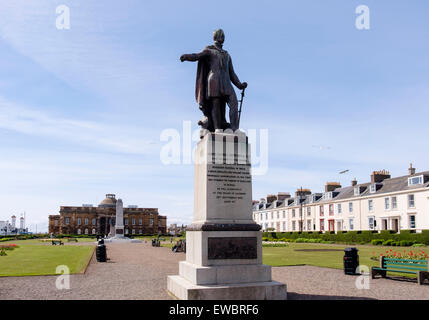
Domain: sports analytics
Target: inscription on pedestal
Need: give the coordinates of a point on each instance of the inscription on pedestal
(230, 182)
(119, 231)
(232, 248)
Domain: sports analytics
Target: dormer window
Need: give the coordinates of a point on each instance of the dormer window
(374, 187)
(327, 195)
(357, 191)
(415, 180)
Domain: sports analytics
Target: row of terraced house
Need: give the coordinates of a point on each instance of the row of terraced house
(384, 203)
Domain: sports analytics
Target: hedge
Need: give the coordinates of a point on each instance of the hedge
(354, 236)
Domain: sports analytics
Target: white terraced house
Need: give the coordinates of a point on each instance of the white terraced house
(385, 203)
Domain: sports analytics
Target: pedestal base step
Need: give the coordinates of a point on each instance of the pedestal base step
(185, 290)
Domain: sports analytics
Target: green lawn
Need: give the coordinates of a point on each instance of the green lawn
(287, 256)
(39, 242)
(33, 259)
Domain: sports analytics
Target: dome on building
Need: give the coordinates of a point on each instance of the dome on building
(110, 201)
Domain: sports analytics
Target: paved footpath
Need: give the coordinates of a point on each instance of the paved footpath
(139, 271)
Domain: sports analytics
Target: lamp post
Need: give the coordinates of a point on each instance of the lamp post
(301, 227)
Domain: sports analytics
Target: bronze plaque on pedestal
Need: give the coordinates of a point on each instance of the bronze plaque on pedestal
(232, 248)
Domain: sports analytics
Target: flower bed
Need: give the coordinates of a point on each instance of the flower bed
(6, 247)
(405, 254)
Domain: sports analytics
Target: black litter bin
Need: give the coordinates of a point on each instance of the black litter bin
(100, 252)
(351, 260)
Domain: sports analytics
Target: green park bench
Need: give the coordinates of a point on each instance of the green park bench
(55, 242)
(417, 267)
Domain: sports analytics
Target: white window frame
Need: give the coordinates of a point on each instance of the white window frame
(412, 179)
(373, 223)
(387, 203)
(351, 223)
(339, 208)
(394, 207)
(409, 201)
(350, 207)
(409, 221)
(356, 191)
(373, 188)
(371, 207)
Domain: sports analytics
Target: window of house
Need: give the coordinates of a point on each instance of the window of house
(293, 213)
(370, 205)
(351, 224)
(151, 222)
(86, 221)
(86, 231)
(56, 222)
(300, 212)
(140, 231)
(372, 188)
(133, 221)
(394, 203)
(331, 209)
(284, 215)
(293, 225)
(126, 221)
(321, 210)
(412, 221)
(371, 223)
(411, 203)
(339, 209)
(266, 215)
(93, 231)
(133, 231)
(140, 222)
(79, 231)
(94, 221)
(309, 211)
(350, 207)
(327, 195)
(308, 225)
(415, 180)
(356, 191)
(284, 226)
(79, 221)
(322, 225)
(262, 216)
(278, 215)
(67, 220)
(386, 203)
(126, 231)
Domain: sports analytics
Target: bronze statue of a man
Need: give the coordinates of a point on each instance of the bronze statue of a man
(213, 86)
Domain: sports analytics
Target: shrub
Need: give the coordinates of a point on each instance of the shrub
(418, 245)
(388, 242)
(406, 243)
(327, 242)
(377, 242)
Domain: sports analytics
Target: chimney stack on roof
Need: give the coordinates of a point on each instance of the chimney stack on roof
(302, 192)
(354, 182)
(331, 186)
(379, 176)
(411, 170)
(271, 198)
(283, 195)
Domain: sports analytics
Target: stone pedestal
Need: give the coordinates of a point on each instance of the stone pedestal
(223, 244)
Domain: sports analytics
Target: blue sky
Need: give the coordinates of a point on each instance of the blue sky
(82, 110)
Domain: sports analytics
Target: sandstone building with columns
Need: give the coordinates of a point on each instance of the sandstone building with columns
(87, 219)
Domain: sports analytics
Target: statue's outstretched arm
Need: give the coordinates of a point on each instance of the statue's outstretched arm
(194, 56)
